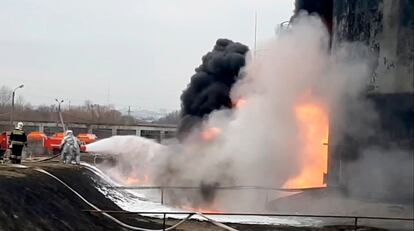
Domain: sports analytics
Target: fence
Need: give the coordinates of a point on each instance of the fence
(162, 189)
(355, 219)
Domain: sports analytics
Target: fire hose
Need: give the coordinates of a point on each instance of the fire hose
(122, 223)
(104, 213)
(47, 159)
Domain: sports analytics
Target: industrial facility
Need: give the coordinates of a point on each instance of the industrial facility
(314, 132)
(386, 27)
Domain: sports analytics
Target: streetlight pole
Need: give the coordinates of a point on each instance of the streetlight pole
(12, 109)
(60, 113)
(255, 34)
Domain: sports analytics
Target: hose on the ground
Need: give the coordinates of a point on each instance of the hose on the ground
(198, 213)
(216, 223)
(106, 214)
(118, 221)
(47, 159)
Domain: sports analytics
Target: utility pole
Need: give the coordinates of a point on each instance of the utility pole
(255, 33)
(12, 109)
(129, 111)
(60, 113)
(108, 94)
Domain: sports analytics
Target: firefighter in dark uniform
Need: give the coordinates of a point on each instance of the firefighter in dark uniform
(18, 140)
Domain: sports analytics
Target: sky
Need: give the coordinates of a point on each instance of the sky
(138, 53)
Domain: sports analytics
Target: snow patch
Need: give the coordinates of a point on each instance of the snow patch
(133, 201)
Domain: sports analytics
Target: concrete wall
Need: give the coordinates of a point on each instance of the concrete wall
(152, 134)
(151, 131)
(124, 132)
(387, 28)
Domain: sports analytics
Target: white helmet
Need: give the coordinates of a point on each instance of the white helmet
(19, 125)
(68, 132)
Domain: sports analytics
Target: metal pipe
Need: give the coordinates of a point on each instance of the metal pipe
(12, 112)
(234, 187)
(162, 196)
(163, 222)
(255, 33)
(60, 114)
(12, 106)
(356, 224)
(257, 214)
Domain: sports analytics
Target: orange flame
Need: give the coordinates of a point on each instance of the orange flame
(132, 180)
(210, 133)
(240, 103)
(312, 119)
(200, 209)
(136, 181)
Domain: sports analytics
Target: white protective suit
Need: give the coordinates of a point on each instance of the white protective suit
(70, 148)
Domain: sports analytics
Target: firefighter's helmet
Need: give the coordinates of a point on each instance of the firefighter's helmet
(19, 126)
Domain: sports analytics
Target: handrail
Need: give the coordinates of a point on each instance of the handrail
(355, 218)
(256, 214)
(233, 187)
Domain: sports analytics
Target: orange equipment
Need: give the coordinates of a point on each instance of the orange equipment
(36, 143)
(39, 143)
(4, 142)
(52, 143)
(36, 136)
(87, 138)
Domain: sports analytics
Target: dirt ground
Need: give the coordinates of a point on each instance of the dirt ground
(30, 200)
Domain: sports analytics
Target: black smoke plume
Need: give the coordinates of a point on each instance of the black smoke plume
(209, 88)
(323, 8)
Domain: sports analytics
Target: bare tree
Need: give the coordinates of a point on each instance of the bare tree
(5, 96)
(86, 113)
(170, 118)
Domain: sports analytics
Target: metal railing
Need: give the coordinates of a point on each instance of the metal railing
(355, 219)
(162, 189)
(266, 189)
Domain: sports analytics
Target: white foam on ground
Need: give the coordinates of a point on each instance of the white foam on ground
(134, 201)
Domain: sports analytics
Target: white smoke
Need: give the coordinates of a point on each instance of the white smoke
(259, 143)
(136, 157)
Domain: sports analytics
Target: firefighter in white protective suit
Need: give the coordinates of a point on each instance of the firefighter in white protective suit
(70, 147)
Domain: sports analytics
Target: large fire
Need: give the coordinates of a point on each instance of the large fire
(240, 103)
(132, 181)
(201, 210)
(210, 133)
(313, 123)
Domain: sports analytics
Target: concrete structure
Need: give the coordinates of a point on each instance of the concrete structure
(152, 131)
(387, 28)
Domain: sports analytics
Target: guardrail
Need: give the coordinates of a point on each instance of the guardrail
(164, 214)
(163, 188)
(266, 189)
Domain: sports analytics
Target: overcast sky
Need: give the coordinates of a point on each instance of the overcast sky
(140, 53)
